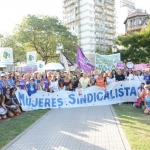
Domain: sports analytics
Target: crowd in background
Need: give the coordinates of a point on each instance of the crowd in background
(61, 81)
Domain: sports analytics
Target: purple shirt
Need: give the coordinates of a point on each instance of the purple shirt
(22, 83)
(46, 82)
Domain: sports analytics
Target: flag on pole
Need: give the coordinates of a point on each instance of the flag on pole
(40, 66)
(65, 61)
(83, 62)
(31, 58)
(6, 56)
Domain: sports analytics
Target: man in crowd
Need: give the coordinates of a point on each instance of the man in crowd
(120, 76)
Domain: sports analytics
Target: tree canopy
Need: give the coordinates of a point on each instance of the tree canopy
(42, 34)
(136, 46)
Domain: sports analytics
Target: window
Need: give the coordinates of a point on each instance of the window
(140, 21)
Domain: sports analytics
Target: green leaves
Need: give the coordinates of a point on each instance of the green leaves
(136, 46)
(42, 34)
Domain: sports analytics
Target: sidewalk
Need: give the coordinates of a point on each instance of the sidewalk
(87, 128)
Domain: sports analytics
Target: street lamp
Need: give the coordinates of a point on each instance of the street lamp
(114, 49)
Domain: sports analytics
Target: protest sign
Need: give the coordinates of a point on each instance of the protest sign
(83, 62)
(140, 66)
(40, 66)
(120, 65)
(117, 92)
(6, 56)
(130, 65)
(106, 62)
(31, 58)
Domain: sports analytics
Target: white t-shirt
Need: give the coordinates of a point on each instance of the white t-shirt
(139, 77)
(84, 82)
(130, 77)
(110, 80)
(62, 89)
(54, 85)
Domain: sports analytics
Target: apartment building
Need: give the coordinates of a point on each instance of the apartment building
(93, 21)
(123, 9)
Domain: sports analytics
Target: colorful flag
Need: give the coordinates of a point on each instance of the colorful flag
(83, 62)
(6, 56)
(65, 61)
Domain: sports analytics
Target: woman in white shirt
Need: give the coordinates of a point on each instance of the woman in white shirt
(61, 86)
(130, 75)
(54, 84)
(110, 78)
(139, 76)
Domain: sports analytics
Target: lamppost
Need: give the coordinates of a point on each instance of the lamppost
(114, 49)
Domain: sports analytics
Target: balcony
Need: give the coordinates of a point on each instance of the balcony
(110, 7)
(99, 17)
(109, 13)
(71, 2)
(110, 1)
(99, 4)
(98, 10)
(110, 19)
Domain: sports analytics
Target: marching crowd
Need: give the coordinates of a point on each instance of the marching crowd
(56, 81)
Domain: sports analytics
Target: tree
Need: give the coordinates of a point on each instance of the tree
(108, 51)
(97, 49)
(136, 46)
(43, 34)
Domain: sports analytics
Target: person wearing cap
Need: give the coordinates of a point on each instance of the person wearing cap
(11, 79)
(4, 83)
(31, 87)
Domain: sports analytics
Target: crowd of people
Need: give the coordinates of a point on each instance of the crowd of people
(61, 81)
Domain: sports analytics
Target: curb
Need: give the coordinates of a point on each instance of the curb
(123, 137)
(26, 130)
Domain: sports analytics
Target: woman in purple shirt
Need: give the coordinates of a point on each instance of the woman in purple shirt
(46, 81)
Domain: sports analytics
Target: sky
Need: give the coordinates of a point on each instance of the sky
(13, 11)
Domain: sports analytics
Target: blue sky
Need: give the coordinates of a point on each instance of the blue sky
(12, 11)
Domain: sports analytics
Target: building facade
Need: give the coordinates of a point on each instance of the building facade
(123, 9)
(136, 21)
(93, 21)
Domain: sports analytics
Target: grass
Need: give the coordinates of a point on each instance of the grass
(11, 127)
(136, 126)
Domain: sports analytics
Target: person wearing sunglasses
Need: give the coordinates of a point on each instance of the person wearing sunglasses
(12, 107)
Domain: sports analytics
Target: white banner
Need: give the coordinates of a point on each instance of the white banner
(6, 56)
(40, 66)
(31, 58)
(117, 92)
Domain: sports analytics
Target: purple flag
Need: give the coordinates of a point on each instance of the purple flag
(83, 62)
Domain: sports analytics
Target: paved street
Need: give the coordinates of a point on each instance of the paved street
(87, 128)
